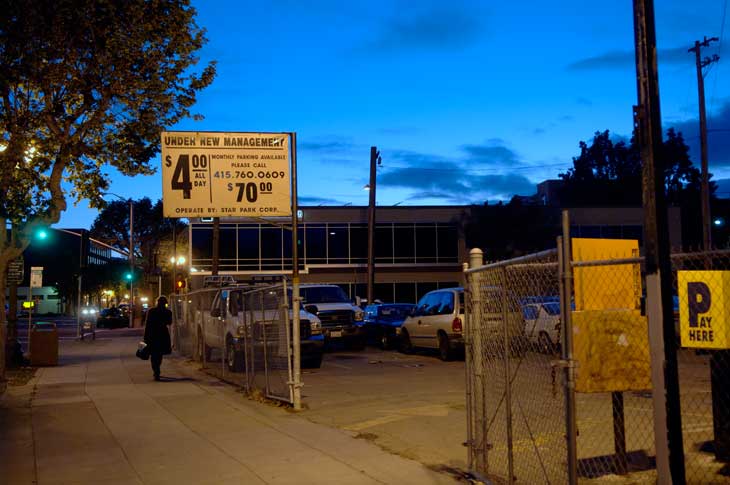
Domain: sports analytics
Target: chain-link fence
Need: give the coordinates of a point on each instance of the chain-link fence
(241, 334)
(702, 283)
(559, 385)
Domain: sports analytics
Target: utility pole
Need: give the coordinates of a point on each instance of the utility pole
(705, 187)
(216, 245)
(662, 343)
(375, 160)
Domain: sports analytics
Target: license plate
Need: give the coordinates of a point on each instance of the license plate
(335, 333)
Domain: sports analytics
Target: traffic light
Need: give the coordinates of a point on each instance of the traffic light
(128, 276)
(179, 283)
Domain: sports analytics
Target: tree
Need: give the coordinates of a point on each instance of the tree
(86, 84)
(152, 231)
(604, 174)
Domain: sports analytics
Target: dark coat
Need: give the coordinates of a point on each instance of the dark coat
(156, 334)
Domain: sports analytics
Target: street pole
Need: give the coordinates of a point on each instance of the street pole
(705, 183)
(662, 343)
(216, 245)
(374, 160)
(131, 263)
(296, 338)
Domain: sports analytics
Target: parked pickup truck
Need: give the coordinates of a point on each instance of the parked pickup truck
(230, 322)
(341, 319)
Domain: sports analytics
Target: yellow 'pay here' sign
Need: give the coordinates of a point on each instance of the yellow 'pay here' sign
(704, 303)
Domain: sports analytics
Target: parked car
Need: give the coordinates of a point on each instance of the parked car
(112, 318)
(437, 322)
(542, 325)
(383, 321)
(341, 319)
(228, 323)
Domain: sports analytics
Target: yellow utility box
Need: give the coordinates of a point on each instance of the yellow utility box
(44, 344)
(612, 350)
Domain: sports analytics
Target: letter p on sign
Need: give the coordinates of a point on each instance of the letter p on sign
(704, 302)
(699, 299)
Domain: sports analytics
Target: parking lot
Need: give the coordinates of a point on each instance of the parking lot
(410, 405)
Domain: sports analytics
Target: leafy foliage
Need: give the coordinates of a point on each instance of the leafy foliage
(84, 85)
(153, 233)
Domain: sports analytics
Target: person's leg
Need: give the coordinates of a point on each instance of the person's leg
(156, 361)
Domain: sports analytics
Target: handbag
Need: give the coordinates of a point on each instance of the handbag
(143, 351)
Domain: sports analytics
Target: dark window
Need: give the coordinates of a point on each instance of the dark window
(337, 245)
(446, 306)
(429, 304)
(271, 248)
(590, 231)
(448, 244)
(633, 232)
(383, 292)
(384, 244)
(426, 244)
(358, 244)
(227, 241)
(404, 244)
(316, 244)
(202, 247)
(611, 232)
(405, 293)
(423, 288)
(248, 247)
(359, 289)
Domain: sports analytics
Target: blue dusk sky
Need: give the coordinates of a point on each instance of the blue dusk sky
(467, 101)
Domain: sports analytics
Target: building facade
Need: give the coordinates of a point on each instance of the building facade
(417, 249)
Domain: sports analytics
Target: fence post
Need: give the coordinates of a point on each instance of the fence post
(507, 380)
(566, 292)
(475, 347)
(289, 350)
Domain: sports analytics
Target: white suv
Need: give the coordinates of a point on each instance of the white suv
(437, 322)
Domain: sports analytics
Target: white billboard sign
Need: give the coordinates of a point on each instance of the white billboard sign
(36, 276)
(217, 174)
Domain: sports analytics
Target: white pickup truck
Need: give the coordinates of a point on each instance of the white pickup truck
(229, 323)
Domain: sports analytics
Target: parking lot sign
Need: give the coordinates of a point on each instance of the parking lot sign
(217, 174)
(704, 299)
(36, 276)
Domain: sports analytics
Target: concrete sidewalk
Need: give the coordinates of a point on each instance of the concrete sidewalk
(100, 418)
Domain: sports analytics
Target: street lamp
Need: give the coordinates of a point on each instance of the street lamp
(131, 253)
(375, 160)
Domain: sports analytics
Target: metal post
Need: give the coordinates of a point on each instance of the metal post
(131, 263)
(662, 345)
(566, 292)
(478, 449)
(619, 432)
(289, 352)
(507, 381)
(296, 338)
(371, 224)
(704, 184)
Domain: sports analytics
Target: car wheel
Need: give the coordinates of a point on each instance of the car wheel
(234, 358)
(445, 352)
(544, 343)
(386, 340)
(405, 345)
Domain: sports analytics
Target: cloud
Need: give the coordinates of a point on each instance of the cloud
(584, 101)
(438, 28)
(718, 137)
(327, 144)
(404, 130)
(627, 59)
(307, 200)
(475, 174)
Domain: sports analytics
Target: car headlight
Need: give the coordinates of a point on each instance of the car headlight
(315, 326)
(359, 315)
(85, 311)
(241, 330)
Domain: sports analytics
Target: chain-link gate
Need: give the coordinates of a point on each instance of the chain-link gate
(515, 403)
(241, 334)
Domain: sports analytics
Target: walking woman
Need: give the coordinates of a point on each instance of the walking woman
(156, 334)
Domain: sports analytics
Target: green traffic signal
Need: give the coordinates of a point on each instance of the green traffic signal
(41, 234)
(128, 276)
